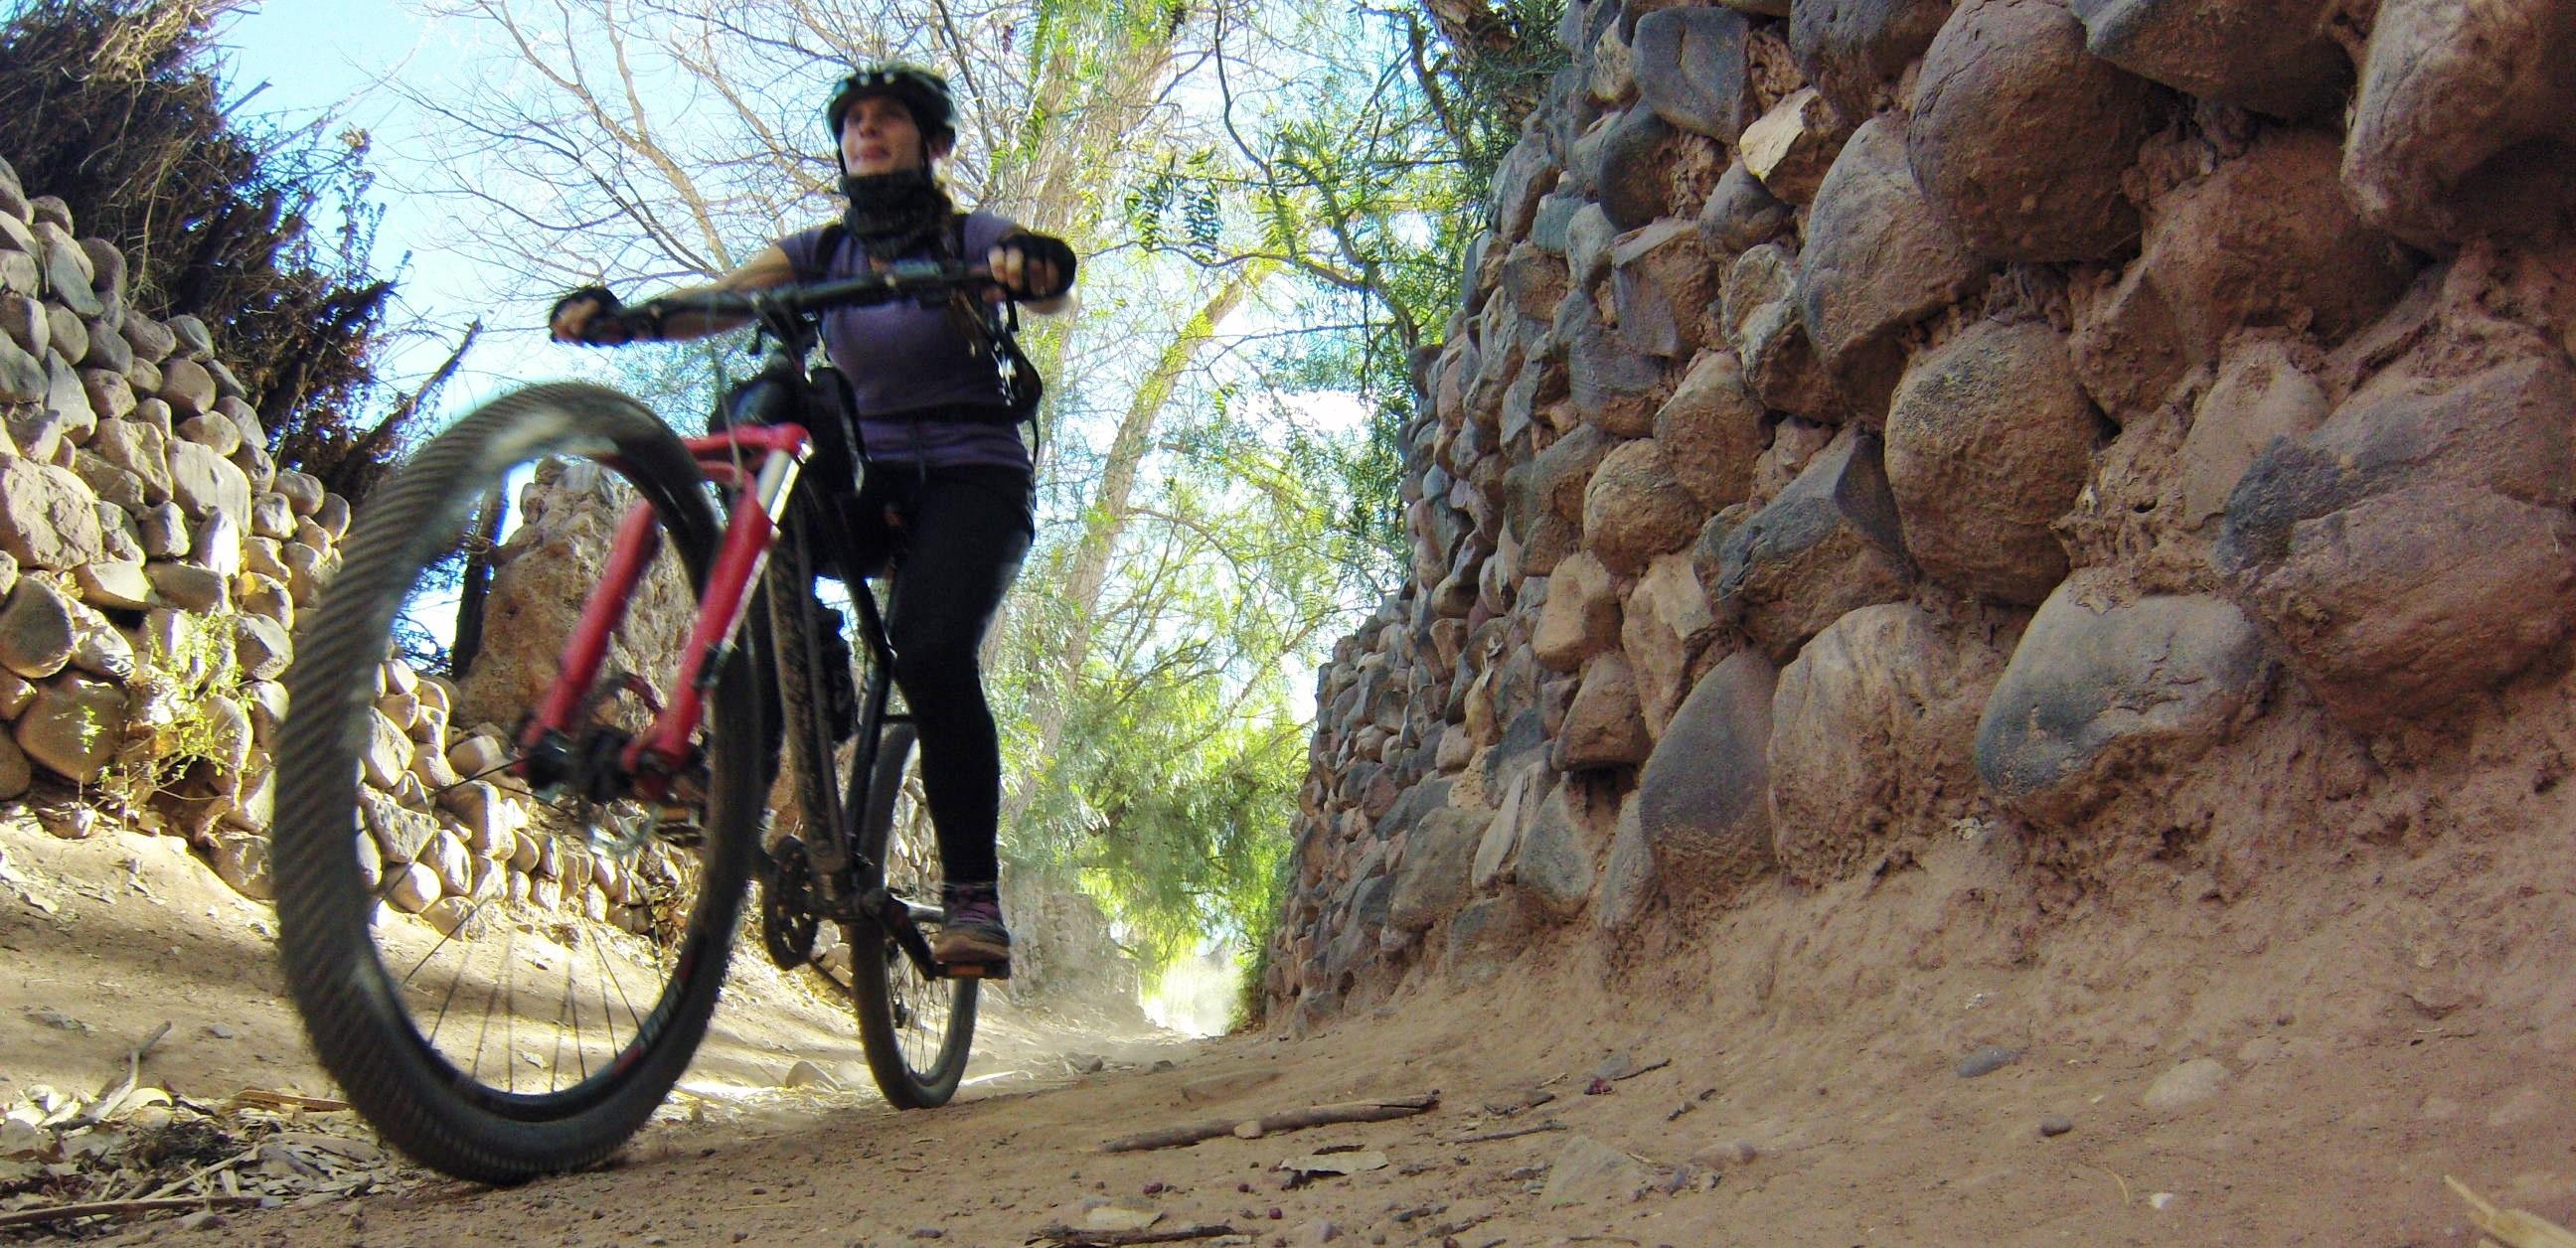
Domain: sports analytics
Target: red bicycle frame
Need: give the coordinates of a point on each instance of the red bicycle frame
(662, 750)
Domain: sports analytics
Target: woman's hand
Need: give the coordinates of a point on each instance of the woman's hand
(1033, 268)
(572, 315)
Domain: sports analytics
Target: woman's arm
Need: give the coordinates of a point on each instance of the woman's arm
(767, 269)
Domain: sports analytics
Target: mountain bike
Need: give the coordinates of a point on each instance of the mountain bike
(503, 1041)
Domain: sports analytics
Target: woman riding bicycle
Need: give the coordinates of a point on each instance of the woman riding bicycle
(939, 427)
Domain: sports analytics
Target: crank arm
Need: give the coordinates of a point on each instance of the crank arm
(901, 924)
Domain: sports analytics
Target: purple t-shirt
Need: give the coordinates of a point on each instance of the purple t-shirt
(902, 357)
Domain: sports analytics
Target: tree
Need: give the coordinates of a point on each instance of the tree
(663, 140)
(264, 233)
(1364, 143)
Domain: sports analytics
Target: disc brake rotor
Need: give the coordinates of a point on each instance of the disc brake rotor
(787, 922)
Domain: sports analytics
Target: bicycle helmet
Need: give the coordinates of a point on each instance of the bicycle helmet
(922, 91)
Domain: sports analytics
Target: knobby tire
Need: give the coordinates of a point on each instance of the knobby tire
(352, 1008)
(876, 968)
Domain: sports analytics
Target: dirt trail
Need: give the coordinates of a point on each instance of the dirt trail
(2325, 1147)
(1834, 1114)
(109, 937)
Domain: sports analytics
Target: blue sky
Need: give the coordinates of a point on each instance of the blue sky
(307, 57)
(300, 58)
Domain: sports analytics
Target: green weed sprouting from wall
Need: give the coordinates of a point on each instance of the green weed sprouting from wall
(175, 686)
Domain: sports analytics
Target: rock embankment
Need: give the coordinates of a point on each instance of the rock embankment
(153, 559)
(1870, 419)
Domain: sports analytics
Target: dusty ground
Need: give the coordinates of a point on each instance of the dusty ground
(2401, 1020)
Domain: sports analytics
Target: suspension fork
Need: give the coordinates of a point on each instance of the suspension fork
(648, 764)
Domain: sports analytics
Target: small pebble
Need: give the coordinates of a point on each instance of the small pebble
(57, 1020)
(1155, 1189)
(206, 1221)
(1987, 1060)
(2192, 1081)
(1276, 1213)
(928, 1232)
(2056, 1124)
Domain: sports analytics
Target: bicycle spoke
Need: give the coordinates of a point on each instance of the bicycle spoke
(443, 941)
(510, 1019)
(493, 770)
(572, 1007)
(454, 982)
(622, 999)
(599, 953)
(509, 949)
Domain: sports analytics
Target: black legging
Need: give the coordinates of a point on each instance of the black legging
(965, 531)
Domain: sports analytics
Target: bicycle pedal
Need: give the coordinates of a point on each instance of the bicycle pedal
(976, 970)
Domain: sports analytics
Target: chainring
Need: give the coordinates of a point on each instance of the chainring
(787, 920)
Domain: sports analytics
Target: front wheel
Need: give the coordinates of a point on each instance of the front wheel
(916, 1029)
(506, 1001)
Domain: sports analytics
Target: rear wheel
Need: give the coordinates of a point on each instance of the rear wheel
(917, 1029)
(509, 1035)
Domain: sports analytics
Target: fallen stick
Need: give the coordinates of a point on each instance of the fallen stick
(112, 1097)
(2513, 1226)
(262, 1098)
(109, 1208)
(1063, 1236)
(1488, 1137)
(1648, 1068)
(1267, 1124)
(204, 1172)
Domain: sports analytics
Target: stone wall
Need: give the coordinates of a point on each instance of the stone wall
(152, 562)
(1874, 419)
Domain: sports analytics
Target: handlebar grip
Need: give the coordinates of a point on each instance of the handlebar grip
(613, 327)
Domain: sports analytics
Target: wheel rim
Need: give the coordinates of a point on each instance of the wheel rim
(923, 1007)
(535, 1002)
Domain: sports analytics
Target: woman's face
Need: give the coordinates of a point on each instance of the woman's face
(878, 136)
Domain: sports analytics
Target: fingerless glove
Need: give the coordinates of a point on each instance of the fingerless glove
(606, 299)
(1051, 250)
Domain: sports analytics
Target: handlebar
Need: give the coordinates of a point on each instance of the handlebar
(910, 279)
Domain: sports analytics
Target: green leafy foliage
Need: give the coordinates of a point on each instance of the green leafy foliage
(1271, 198)
(1364, 166)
